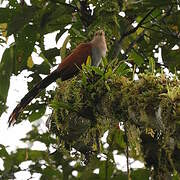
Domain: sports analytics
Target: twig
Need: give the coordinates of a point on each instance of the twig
(161, 28)
(131, 31)
(132, 44)
(79, 13)
(146, 22)
(139, 25)
(127, 151)
(174, 35)
(127, 51)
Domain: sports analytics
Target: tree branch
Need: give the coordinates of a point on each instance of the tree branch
(131, 31)
(132, 44)
(172, 34)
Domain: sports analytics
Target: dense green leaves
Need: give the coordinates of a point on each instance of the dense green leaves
(25, 41)
(21, 17)
(5, 15)
(138, 33)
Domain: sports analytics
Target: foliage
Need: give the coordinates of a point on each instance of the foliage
(87, 106)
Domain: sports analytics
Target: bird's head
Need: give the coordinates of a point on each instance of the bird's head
(99, 33)
(99, 41)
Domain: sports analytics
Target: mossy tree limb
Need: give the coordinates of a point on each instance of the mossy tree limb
(85, 109)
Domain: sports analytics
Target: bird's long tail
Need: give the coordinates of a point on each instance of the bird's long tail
(31, 95)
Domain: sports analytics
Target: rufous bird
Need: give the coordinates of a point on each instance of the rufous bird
(68, 68)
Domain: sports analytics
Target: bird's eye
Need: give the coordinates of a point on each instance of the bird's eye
(99, 33)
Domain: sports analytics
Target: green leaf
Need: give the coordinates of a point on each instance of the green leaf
(175, 176)
(35, 79)
(43, 68)
(152, 64)
(136, 58)
(120, 176)
(50, 172)
(106, 170)
(77, 33)
(5, 15)
(155, 3)
(104, 61)
(50, 54)
(20, 18)
(3, 151)
(107, 86)
(5, 73)
(3, 106)
(39, 110)
(84, 79)
(123, 69)
(116, 138)
(24, 45)
(33, 155)
(46, 61)
(35, 136)
(30, 62)
(88, 61)
(97, 70)
(108, 73)
(171, 58)
(140, 174)
(63, 48)
(55, 18)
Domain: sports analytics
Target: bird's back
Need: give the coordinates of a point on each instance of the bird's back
(71, 64)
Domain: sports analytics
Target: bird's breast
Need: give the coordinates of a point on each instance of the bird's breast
(96, 56)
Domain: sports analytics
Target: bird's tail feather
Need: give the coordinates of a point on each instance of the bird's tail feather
(31, 95)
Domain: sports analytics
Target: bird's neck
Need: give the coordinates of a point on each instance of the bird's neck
(100, 44)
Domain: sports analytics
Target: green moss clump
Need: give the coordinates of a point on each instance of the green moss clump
(85, 107)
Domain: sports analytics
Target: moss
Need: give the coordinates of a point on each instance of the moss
(85, 108)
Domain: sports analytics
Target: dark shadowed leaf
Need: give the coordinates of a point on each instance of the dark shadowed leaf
(171, 58)
(140, 174)
(21, 18)
(5, 15)
(138, 59)
(5, 74)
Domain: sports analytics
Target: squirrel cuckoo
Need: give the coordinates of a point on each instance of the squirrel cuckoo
(69, 67)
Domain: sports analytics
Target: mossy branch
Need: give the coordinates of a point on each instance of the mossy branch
(150, 106)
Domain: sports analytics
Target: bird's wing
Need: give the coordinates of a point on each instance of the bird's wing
(71, 64)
